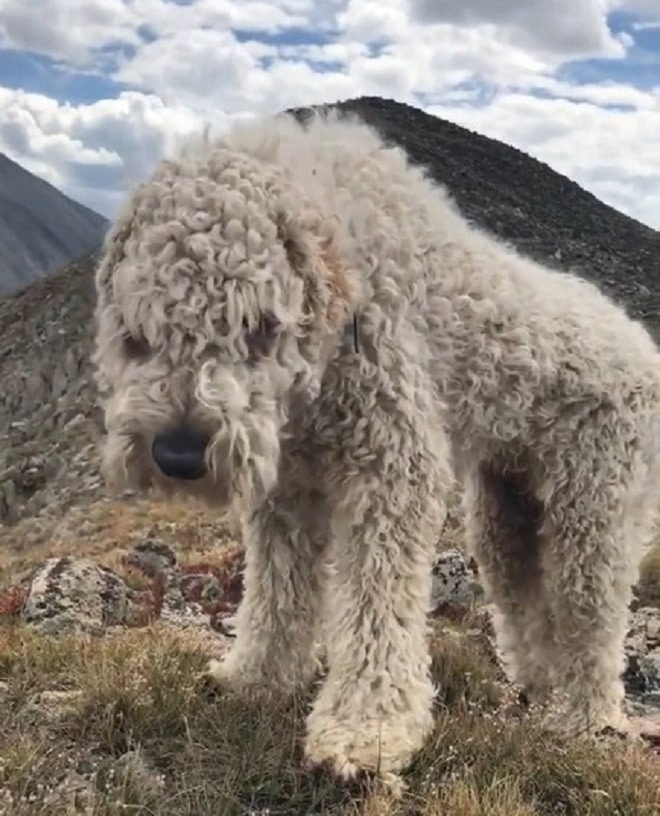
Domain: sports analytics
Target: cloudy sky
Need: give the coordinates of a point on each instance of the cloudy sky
(93, 92)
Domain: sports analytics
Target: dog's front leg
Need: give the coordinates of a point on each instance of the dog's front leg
(277, 621)
(374, 709)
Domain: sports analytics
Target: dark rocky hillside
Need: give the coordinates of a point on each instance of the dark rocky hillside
(48, 423)
(524, 201)
(47, 430)
(40, 228)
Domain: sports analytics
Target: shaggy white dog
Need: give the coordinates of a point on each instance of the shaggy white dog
(295, 321)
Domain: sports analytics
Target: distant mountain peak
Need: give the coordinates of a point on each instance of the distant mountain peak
(41, 229)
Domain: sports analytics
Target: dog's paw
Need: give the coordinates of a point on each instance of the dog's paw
(218, 672)
(345, 774)
(230, 674)
(361, 752)
(211, 681)
(235, 673)
(358, 781)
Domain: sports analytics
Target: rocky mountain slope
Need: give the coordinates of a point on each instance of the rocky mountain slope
(40, 228)
(47, 408)
(48, 422)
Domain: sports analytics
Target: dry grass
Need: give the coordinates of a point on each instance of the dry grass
(71, 709)
(118, 724)
(107, 530)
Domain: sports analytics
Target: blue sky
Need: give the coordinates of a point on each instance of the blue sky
(641, 66)
(93, 92)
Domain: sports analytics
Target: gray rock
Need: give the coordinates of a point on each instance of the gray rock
(73, 794)
(204, 585)
(451, 582)
(153, 556)
(645, 717)
(69, 594)
(176, 611)
(75, 594)
(642, 673)
(54, 704)
(133, 768)
(76, 421)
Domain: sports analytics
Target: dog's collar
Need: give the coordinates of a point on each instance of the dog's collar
(351, 332)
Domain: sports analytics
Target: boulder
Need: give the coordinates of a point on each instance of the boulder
(75, 594)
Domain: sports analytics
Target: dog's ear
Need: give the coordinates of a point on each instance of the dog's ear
(310, 242)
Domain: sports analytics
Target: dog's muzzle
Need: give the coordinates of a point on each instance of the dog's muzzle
(180, 453)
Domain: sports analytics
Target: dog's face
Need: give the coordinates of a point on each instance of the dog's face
(218, 298)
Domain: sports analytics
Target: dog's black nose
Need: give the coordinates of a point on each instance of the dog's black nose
(179, 453)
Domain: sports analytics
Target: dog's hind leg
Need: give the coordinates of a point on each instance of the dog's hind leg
(277, 620)
(502, 532)
(600, 500)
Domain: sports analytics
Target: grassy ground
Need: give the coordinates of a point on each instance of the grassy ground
(118, 725)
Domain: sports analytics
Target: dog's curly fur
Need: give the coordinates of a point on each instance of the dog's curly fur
(224, 293)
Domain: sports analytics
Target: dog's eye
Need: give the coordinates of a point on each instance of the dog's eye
(135, 347)
(260, 338)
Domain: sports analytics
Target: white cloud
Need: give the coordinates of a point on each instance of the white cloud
(179, 66)
(603, 94)
(92, 152)
(188, 64)
(372, 21)
(648, 8)
(566, 27)
(76, 31)
(69, 30)
(165, 18)
(266, 78)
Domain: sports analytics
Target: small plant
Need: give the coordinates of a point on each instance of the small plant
(12, 601)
